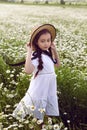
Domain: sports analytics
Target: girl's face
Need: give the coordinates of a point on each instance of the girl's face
(44, 41)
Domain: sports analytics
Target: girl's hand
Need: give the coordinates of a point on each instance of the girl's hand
(28, 47)
(55, 54)
(53, 47)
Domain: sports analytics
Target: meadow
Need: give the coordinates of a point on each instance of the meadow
(16, 23)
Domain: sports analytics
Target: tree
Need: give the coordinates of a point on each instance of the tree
(62, 2)
(46, 2)
(22, 1)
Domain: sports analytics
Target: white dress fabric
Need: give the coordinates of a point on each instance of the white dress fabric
(41, 94)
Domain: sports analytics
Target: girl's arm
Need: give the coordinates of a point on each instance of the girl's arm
(29, 67)
(55, 55)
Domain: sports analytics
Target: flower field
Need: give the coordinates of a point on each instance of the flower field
(16, 23)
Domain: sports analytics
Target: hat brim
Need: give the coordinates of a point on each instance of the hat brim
(49, 27)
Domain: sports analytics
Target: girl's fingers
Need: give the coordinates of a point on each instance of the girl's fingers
(53, 46)
(28, 47)
(28, 44)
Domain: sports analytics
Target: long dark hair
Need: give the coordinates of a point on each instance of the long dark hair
(37, 53)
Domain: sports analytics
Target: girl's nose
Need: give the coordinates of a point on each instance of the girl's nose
(46, 43)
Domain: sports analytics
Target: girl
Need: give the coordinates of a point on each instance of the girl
(41, 97)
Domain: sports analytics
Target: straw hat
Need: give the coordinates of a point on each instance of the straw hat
(49, 27)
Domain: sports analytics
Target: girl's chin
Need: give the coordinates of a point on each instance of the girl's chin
(45, 49)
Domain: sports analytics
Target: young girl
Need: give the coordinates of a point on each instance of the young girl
(41, 97)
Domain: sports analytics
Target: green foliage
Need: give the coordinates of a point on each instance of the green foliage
(72, 92)
(2, 70)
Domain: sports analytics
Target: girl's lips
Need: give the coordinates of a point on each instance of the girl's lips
(45, 48)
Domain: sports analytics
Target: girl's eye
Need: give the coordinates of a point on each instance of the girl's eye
(48, 40)
(42, 41)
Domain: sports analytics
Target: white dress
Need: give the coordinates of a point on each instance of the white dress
(41, 94)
